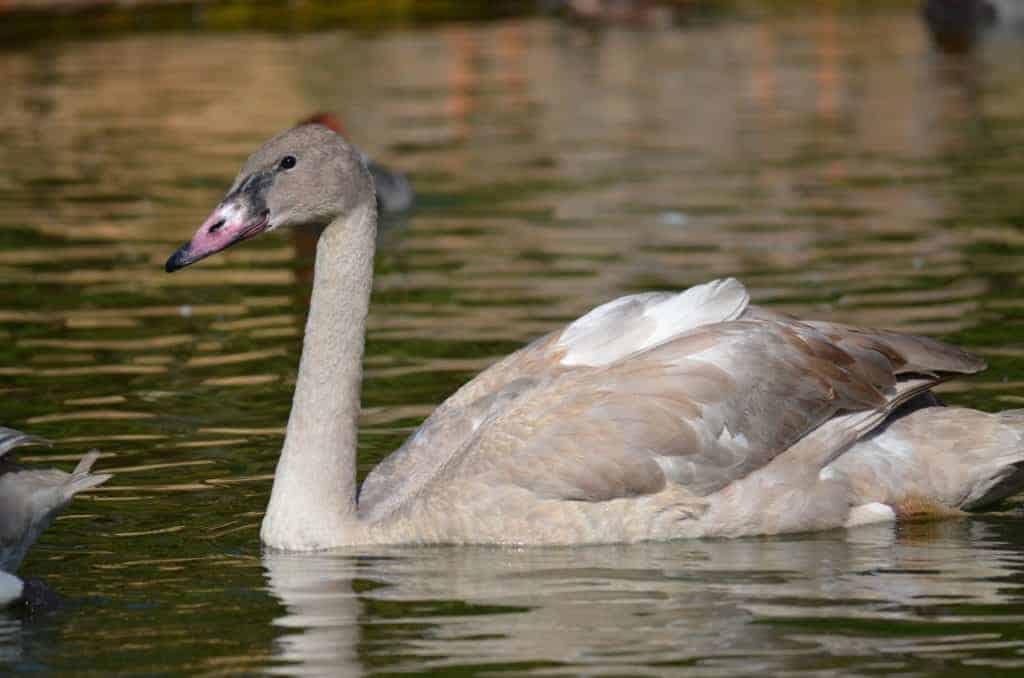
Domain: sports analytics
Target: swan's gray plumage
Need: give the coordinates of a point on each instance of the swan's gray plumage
(699, 411)
(952, 456)
(654, 416)
(649, 395)
(394, 190)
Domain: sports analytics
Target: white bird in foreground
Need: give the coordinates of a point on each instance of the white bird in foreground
(29, 500)
(655, 416)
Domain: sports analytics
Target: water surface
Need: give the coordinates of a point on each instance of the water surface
(835, 160)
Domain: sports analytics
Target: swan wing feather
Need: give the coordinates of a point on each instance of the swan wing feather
(699, 411)
(607, 334)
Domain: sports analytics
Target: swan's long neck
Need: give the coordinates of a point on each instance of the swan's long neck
(313, 502)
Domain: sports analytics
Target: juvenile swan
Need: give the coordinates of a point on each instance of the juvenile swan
(655, 416)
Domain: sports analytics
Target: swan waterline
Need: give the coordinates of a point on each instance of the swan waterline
(653, 417)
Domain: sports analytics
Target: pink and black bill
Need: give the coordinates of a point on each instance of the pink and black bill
(242, 214)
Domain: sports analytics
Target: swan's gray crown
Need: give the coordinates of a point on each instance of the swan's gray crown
(329, 178)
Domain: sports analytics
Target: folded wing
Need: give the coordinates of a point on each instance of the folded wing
(607, 334)
(700, 410)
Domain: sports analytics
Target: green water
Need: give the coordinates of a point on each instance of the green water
(831, 157)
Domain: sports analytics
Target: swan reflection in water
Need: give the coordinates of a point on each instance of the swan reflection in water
(735, 605)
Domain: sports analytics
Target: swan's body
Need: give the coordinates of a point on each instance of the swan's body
(655, 416)
(29, 500)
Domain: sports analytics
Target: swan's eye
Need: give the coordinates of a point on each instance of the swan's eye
(287, 162)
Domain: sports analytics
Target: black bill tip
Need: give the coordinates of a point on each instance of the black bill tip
(180, 258)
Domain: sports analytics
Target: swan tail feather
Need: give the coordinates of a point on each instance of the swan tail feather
(950, 457)
(1001, 473)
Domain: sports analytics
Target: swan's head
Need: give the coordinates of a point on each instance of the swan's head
(308, 175)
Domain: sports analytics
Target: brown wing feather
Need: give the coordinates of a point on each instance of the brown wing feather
(700, 411)
(605, 335)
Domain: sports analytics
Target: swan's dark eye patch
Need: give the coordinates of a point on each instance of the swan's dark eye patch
(287, 162)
